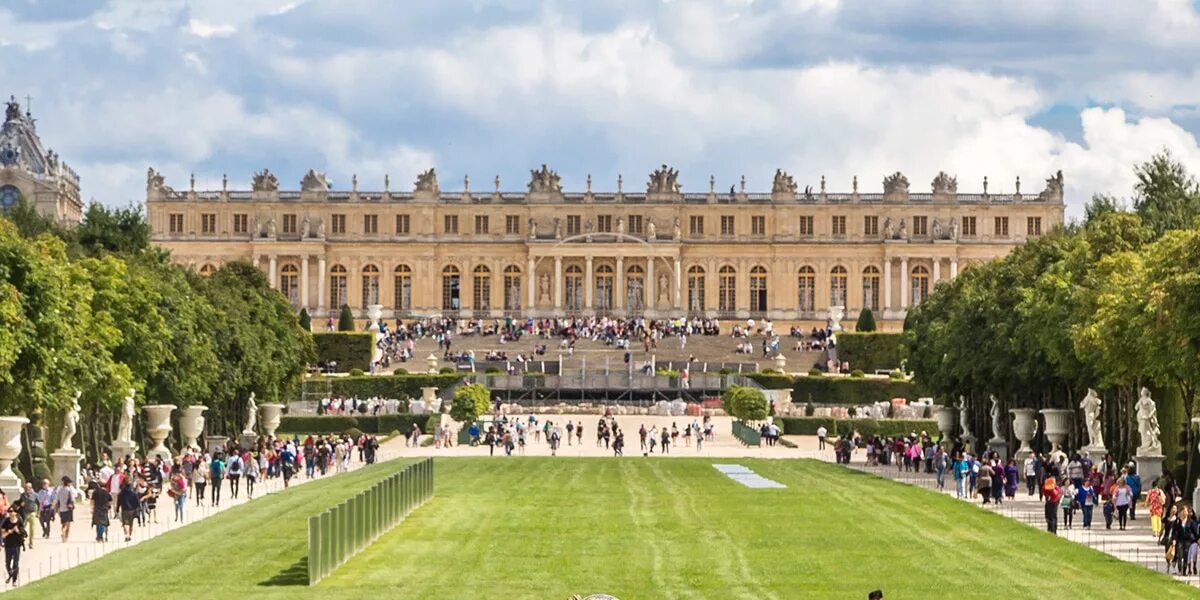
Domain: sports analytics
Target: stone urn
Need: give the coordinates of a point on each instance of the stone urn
(10, 449)
(374, 314)
(271, 413)
(429, 396)
(191, 425)
(432, 361)
(158, 427)
(1058, 424)
(947, 418)
(781, 362)
(1024, 427)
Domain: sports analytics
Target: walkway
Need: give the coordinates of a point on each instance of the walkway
(50, 556)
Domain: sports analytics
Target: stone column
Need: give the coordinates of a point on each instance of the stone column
(953, 268)
(937, 273)
(271, 272)
(904, 285)
(558, 283)
(887, 285)
(321, 278)
(588, 283)
(678, 285)
(619, 285)
(650, 288)
(304, 281)
(531, 284)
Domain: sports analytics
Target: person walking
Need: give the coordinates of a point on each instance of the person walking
(13, 533)
(822, 433)
(1123, 499)
(1051, 493)
(1067, 503)
(1085, 498)
(128, 504)
(939, 467)
(46, 508)
(983, 482)
(101, 504)
(1155, 503)
(1030, 474)
(200, 478)
(30, 505)
(251, 474)
(177, 490)
(234, 466)
(216, 471)
(64, 505)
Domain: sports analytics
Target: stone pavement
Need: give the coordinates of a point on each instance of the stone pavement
(50, 556)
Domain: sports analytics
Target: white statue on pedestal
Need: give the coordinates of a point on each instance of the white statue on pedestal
(963, 420)
(1091, 418)
(70, 424)
(996, 426)
(1148, 431)
(251, 415)
(125, 426)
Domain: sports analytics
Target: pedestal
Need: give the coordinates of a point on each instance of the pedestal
(1094, 453)
(191, 425)
(248, 440)
(10, 449)
(1024, 428)
(66, 464)
(1000, 447)
(158, 427)
(122, 450)
(969, 443)
(1149, 468)
(215, 443)
(271, 414)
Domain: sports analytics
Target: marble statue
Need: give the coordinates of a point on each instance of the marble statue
(996, 417)
(953, 229)
(963, 419)
(675, 230)
(544, 180)
(650, 230)
(305, 227)
(937, 229)
(321, 228)
(664, 181)
(532, 228)
(70, 424)
(557, 228)
(620, 225)
(544, 288)
(271, 227)
(251, 415)
(889, 229)
(1148, 430)
(1090, 405)
(903, 232)
(125, 426)
(896, 183)
(662, 289)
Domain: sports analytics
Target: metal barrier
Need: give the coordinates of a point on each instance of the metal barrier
(747, 434)
(343, 531)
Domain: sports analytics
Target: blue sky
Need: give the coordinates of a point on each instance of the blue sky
(727, 88)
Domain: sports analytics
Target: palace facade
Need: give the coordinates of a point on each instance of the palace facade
(30, 172)
(789, 255)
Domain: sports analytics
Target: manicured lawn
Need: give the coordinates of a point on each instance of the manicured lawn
(545, 528)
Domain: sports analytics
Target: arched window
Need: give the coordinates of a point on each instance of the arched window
(727, 289)
(402, 279)
(481, 295)
(512, 287)
(920, 284)
(337, 287)
(806, 283)
(451, 283)
(871, 288)
(370, 285)
(695, 283)
(758, 289)
(208, 269)
(574, 283)
(289, 283)
(635, 286)
(837, 286)
(604, 288)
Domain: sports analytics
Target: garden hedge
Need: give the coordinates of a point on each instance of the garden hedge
(386, 386)
(375, 425)
(849, 391)
(350, 350)
(871, 351)
(866, 427)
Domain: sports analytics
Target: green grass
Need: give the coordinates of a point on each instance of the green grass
(546, 528)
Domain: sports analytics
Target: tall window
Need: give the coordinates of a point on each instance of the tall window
(604, 224)
(968, 226)
(402, 279)
(450, 224)
(920, 284)
(289, 223)
(1033, 225)
(806, 284)
(451, 283)
(208, 223)
(871, 288)
(837, 286)
(635, 286)
(727, 289)
(635, 224)
(338, 223)
(1000, 227)
(838, 226)
(806, 225)
(481, 224)
(370, 285)
(920, 225)
(371, 224)
(512, 224)
(289, 284)
(604, 288)
(402, 225)
(573, 224)
(175, 223)
(512, 287)
(758, 289)
(758, 225)
(695, 283)
(481, 294)
(726, 225)
(871, 225)
(241, 223)
(337, 287)
(696, 226)
(574, 283)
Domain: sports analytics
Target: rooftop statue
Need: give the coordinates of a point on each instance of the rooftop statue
(427, 182)
(783, 183)
(314, 181)
(12, 110)
(155, 182)
(265, 181)
(895, 183)
(544, 180)
(1054, 187)
(945, 184)
(664, 181)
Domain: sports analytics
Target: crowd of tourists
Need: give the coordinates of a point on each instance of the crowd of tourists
(375, 405)
(512, 435)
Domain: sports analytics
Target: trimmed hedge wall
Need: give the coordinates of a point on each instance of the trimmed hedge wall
(772, 381)
(847, 391)
(871, 351)
(866, 427)
(389, 386)
(376, 425)
(350, 350)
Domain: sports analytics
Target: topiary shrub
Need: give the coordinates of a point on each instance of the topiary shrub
(356, 372)
(745, 403)
(305, 320)
(815, 373)
(353, 432)
(446, 370)
(725, 371)
(896, 375)
(399, 371)
(866, 321)
(857, 374)
(470, 401)
(494, 371)
(345, 319)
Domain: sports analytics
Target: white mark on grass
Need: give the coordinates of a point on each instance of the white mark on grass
(747, 477)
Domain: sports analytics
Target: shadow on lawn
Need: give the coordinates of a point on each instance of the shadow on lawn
(297, 574)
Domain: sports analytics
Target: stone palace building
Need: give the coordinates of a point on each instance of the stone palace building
(31, 172)
(788, 255)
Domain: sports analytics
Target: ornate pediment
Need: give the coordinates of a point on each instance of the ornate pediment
(1054, 188)
(664, 180)
(896, 183)
(945, 184)
(783, 183)
(544, 180)
(314, 181)
(427, 182)
(265, 181)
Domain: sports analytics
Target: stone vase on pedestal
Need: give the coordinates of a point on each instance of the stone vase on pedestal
(10, 449)
(374, 313)
(781, 362)
(947, 418)
(122, 449)
(215, 443)
(66, 464)
(1058, 423)
(999, 446)
(429, 396)
(158, 427)
(271, 414)
(432, 362)
(191, 425)
(1024, 427)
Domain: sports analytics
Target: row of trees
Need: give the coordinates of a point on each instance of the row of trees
(96, 309)
(1111, 303)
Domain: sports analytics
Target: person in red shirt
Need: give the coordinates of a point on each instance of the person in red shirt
(1051, 493)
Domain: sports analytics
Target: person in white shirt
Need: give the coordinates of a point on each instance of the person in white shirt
(1031, 478)
(821, 433)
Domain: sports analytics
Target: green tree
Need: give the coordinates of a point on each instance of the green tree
(120, 230)
(745, 403)
(346, 319)
(305, 320)
(866, 321)
(31, 223)
(470, 401)
(1165, 195)
(1101, 204)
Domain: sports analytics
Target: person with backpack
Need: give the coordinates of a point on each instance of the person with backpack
(251, 473)
(1052, 494)
(13, 533)
(64, 505)
(216, 471)
(128, 503)
(234, 468)
(101, 504)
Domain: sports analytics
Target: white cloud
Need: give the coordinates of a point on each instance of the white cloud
(199, 28)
